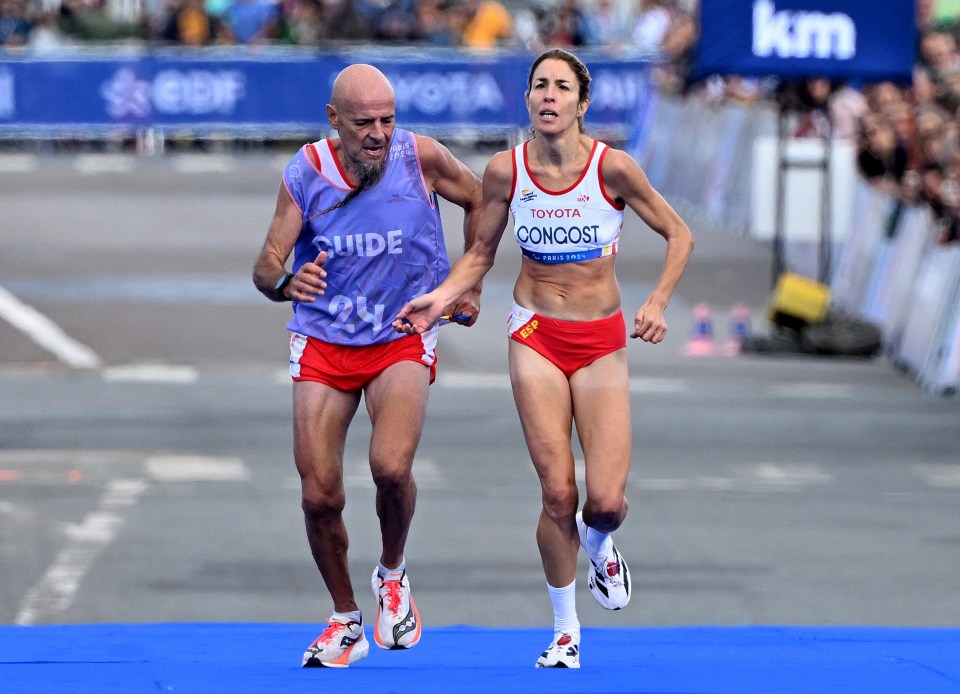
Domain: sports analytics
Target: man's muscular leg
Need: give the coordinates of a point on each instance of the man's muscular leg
(321, 417)
(397, 402)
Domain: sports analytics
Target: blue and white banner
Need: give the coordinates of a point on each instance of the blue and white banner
(277, 91)
(862, 40)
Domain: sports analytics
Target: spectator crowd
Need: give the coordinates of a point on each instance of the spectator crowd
(635, 26)
(907, 137)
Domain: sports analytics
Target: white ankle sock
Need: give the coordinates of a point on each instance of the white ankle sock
(597, 541)
(392, 574)
(564, 602)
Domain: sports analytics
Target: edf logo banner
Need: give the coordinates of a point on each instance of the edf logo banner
(237, 90)
(838, 39)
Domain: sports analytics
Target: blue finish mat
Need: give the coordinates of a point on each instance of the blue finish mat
(209, 658)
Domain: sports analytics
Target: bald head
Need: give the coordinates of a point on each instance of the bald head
(362, 111)
(360, 83)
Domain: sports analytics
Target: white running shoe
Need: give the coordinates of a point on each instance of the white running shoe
(608, 577)
(398, 620)
(340, 645)
(563, 651)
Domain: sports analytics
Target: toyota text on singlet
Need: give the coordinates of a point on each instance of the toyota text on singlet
(567, 226)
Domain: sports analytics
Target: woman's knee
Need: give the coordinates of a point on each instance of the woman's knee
(605, 515)
(560, 501)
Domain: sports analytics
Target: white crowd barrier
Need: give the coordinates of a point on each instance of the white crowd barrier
(894, 272)
(701, 155)
(888, 266)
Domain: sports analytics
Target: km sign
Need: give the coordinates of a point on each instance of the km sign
(838, 39)
(796, 34)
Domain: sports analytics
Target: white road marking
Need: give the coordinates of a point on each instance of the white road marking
(46, 333)
(186, 468)
(475, 381)
(67, 457)
(759, 477)
(85, 541)
(663, 484)
(658, 385)
(813, 390)
(55, 591)
(775, 475)
(946, 476)
(150, 373)
(93, 164)
(19, 163)
(203, 163)
(427, 473)
(357, 480)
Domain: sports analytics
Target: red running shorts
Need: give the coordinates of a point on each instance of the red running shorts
(568, 345)
(351, 368)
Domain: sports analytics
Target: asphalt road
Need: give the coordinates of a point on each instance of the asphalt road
(145, 443)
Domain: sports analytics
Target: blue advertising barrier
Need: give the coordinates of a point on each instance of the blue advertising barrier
(276, 90)
(851, 40)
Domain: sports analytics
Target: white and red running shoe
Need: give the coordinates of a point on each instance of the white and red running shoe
(564, 651)
(340, 645)
(608, 577)
(398, 620)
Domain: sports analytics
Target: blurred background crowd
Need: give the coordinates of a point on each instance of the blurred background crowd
(907, 137)
(617, 25)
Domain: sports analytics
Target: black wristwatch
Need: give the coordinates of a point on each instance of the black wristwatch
(282, 284)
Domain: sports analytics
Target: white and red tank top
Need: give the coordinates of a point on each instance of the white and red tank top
(564, 226)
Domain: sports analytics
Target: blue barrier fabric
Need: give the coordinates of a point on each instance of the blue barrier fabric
(280, 91)
(236, 658)
(848, 40)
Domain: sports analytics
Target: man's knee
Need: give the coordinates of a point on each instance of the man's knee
(393, 478)
(319, 503)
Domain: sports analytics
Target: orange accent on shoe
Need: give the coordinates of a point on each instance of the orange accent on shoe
(344, 659)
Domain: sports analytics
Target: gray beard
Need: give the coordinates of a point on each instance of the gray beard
(368, 175)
